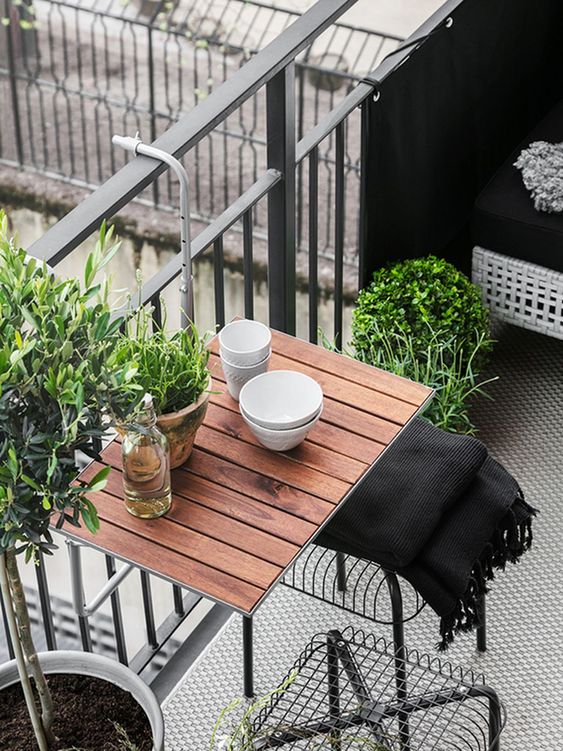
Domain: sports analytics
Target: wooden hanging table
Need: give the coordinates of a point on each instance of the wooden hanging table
(242, 514)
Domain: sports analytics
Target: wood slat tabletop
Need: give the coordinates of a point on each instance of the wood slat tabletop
(241, 514)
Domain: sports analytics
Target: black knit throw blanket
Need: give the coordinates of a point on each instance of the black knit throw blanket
(437, 509)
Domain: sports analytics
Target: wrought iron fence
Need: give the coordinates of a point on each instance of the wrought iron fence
(81, 70)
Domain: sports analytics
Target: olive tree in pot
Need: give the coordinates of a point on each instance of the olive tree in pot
(60, 382)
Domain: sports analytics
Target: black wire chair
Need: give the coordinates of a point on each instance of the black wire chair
(364, 588)
(352, 692)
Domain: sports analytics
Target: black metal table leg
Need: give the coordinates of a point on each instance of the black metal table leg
(341, 571)
(482, 627)
(400, 655)
(248, 656)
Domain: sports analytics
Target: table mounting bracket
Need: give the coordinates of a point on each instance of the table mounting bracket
(81, 608)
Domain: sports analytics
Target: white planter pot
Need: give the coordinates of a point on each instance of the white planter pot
(96, 666)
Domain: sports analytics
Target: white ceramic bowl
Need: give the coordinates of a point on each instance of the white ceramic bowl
(281, 440)
(236, 376)
(244, 343)
(281, 399)
(281, 430)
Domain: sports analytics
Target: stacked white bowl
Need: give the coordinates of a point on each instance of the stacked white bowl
(281, 407)
(245, 350)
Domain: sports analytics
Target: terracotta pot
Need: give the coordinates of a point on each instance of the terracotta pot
(180, 429)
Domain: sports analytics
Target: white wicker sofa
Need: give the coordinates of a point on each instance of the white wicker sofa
(518, 253)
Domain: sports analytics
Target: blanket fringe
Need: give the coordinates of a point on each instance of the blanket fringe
(510, 541)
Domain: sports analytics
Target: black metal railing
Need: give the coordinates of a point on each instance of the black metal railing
(271, 73)
(85, 70)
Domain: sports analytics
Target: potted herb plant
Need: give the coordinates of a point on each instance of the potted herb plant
(60, 380)
(173, 369)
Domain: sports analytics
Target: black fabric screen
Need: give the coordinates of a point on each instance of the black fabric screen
(447, 119)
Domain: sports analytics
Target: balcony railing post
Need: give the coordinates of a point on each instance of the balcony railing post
(280, 103)
(13, 17)
(152, 101)
(363, 274)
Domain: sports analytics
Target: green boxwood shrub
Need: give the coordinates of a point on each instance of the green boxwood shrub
(420, 298)
(424, 320)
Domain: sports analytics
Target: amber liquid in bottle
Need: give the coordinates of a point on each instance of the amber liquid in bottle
(146, 467)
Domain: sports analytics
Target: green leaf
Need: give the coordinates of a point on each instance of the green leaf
(31, 482)
(89, 270)
(30, 318)
(110, 254)
(102, 325)
(12, 462)
(99, 481)
(53, 463)
(79, 392)
(91, 519)
(66, 350)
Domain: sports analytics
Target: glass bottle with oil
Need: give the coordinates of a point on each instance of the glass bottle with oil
(146, 466)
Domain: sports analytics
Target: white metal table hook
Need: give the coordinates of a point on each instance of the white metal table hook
(136, 146)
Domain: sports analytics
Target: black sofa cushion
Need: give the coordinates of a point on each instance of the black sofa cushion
(505, 220)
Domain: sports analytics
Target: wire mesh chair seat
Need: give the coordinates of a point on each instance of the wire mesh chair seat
(346, 693)
(366, 589)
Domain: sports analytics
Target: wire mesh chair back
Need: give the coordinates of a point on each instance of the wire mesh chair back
(342, 694)
(353, 584)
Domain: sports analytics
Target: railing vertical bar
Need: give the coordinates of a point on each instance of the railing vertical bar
(117, 617)
(362, 228)
(156, 306)
(339, 229)
(148, 610)
(152, 102)
(280, 120)
(54, 116)
(97, 445)
(300, 71)
(248, 264)
(178, 600)
(219, 276)
(313, 245)
(8, 8)
(99, 99)
(45, 603)
(85, 636)
(11, 654)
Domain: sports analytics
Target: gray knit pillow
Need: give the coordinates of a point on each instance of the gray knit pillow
(542, 172)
